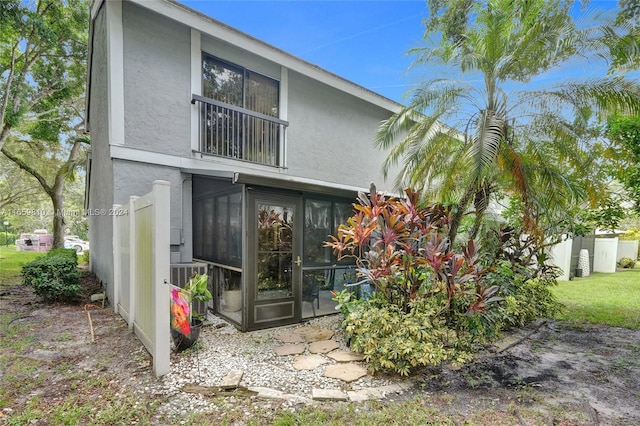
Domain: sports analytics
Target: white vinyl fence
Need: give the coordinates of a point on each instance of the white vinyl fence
(627, 248)
(604, 254)
(560, 256)
(141, 268)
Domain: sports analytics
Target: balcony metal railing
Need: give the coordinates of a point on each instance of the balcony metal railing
(233, 132)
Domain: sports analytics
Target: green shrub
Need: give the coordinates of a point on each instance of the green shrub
(627, 263)
(433, 301)
(394, 340)
(8, 239)
(54, 276)
(524, 297)
(85, 257)
(71, 253)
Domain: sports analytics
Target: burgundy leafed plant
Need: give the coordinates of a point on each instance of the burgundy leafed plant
(403, 249)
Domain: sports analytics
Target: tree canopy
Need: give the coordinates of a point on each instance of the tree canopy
(43, 52)
(624, 132)
(493, 133)
(43, 48)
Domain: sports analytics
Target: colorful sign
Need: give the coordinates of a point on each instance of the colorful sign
(181, 310)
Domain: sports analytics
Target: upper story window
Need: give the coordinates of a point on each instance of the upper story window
(239, 112)
(238, 86)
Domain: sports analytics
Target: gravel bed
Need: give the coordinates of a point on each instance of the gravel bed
(222, 348)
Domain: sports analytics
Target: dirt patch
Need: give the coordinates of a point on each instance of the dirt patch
(584, 373)
(551, 373)
(49, 357)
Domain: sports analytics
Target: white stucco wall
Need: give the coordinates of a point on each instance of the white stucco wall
(330, 137)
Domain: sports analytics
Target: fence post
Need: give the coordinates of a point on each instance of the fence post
(132, 260)
(161, 274)
(117, 267)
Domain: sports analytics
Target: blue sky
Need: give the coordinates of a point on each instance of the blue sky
(363, 41)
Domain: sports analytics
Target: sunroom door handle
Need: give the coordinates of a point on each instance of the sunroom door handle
(298, 262)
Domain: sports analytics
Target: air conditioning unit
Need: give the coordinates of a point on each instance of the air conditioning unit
(180, 274)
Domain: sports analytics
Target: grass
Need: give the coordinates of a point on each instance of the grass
(609, 299)
(11, 262)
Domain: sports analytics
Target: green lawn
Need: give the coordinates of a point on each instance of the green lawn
(11, 262)
(611, 299)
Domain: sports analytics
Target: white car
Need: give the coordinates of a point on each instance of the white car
(74, 242)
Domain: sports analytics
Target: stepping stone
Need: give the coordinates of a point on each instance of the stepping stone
(306, 329)
(232, 379)
(264, 392)
(289, 350)
(318, 335)
(345, 372)
(345, 356)
(276, 394)
(328, 395)
(289, 337)
(308, 362)
(322, 347)
(364, 394)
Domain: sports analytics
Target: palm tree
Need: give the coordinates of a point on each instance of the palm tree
(501, 138)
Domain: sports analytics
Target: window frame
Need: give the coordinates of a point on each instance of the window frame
(245, 77)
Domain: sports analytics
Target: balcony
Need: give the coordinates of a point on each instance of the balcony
(232, 132)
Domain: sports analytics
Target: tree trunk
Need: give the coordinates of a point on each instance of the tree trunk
(480, 202)
(55, 191)
(58, 219)
(461, 208)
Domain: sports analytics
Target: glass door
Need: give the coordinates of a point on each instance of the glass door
(274, 260)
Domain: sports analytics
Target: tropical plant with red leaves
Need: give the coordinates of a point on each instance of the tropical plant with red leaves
(403, 249)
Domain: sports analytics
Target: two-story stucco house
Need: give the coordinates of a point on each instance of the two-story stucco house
(264, 153)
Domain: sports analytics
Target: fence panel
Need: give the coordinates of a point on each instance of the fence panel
(628, 248)
(144, 270)
(604, 254)
(141, 269)
(121, 241)
(560, 256)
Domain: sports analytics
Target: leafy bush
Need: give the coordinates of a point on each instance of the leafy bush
(631, 234)
(433, 302)
(8, 238)
(70, 253)
(627, 263)
(394, 340)
(54, 276)
(519, 269)
(425, 293)
(524, 299)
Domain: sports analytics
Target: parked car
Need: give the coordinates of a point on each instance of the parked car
(74, 242)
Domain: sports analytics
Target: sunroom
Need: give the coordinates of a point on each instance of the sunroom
(265, 247)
